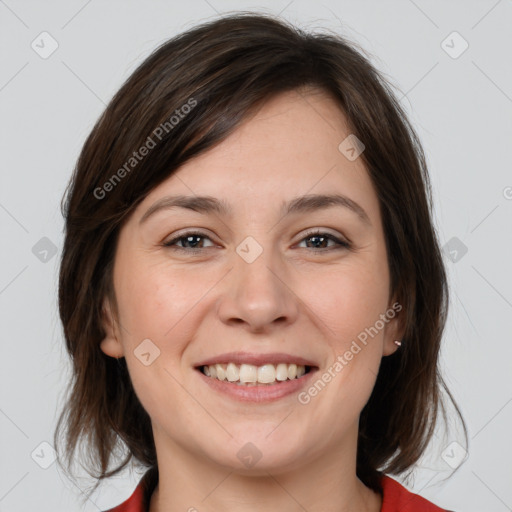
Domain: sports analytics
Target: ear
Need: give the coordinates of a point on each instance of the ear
(395, 328)
(110, 344)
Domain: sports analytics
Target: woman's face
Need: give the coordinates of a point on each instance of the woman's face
(246, 277)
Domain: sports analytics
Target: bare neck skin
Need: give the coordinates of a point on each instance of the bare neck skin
(325, 484)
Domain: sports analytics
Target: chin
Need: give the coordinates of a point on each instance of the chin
(258, 454)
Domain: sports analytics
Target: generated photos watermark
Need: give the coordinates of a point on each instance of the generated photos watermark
(343, 360)
(151, 142)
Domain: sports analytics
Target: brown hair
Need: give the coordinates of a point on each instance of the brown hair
(225, 69)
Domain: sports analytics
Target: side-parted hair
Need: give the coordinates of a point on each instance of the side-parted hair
(186, 97)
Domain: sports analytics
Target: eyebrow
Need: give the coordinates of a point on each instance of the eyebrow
(302, 204)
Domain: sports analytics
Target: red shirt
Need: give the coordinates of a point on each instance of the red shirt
(396, 498)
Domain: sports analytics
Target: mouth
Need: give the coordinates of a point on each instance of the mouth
(252, 375)
(256, 377)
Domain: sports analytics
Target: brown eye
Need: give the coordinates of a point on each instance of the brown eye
(189, 241)
(320, 240)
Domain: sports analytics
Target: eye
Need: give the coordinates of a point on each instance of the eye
(194, 241)
(191, 241)
(320, 239)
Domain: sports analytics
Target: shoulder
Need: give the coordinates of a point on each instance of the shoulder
(140, 498)
(396, 498)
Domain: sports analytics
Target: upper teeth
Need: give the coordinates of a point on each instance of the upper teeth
(246, 373)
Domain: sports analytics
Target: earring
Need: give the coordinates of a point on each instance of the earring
(398, 343)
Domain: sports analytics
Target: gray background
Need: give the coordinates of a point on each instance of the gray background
(461, 108)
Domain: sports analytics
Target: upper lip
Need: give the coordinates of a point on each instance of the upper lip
(255, 359)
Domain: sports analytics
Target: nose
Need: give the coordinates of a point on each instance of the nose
(258, 295)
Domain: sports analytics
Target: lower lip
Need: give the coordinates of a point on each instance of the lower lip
(267, 393)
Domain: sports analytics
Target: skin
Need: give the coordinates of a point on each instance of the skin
(294, 298)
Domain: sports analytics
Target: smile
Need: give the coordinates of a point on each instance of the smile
(248, 374)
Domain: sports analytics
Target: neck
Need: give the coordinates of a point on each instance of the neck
(327, 484)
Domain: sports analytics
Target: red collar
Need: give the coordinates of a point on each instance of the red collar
(396, 498)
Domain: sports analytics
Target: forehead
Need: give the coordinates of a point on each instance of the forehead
(288, 147)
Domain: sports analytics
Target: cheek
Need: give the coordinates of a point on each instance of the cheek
(349, 300)
(351, 303)
(349, 306)
(155, 300)
(161, 306)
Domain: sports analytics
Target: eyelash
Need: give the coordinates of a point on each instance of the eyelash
(342, 244)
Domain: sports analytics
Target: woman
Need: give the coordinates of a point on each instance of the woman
(251, 287)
